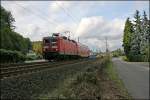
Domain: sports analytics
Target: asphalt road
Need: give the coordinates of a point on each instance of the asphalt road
(135, 76)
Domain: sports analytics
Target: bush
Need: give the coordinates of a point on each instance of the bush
(135, 58)
(8, 56)
(89, 77)
(115, 55)
(145, 58)
(125, 58)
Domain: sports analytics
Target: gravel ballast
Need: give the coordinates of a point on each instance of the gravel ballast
(32, 85)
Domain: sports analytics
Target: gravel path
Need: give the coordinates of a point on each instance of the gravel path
(135, 77)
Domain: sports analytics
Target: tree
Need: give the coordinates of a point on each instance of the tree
(37, 47)
(136, 38)
(127, 37)
(117, 53)
(6, 19)
(11, 40)
(145, 37)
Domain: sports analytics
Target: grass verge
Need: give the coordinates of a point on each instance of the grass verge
(98, 81)
(113, 76)
(82, 85)
(124, 58)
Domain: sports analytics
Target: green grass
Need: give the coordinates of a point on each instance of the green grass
(88, 83)
(83, 84)
(124, 58)
(113, 75)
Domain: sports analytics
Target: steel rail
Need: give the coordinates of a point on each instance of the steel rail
(19, 64)
(32, 68)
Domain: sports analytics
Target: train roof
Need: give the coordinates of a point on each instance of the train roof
(80, 44)
(46, 37)
(64, 37)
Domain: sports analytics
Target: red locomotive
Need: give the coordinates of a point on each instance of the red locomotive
(61, 47)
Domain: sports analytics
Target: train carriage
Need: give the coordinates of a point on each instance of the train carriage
(60, 47)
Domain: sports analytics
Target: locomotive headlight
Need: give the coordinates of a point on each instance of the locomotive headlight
(46, 47)
(54, 46)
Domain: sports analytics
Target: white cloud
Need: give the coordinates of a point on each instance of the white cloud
(56, 6)
(98, 26)
(94, 30)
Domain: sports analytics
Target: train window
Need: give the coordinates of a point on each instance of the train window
(64, 37)
(73, 41)
(54, 39)
(46, 41)
(54, 44)
(55, 34)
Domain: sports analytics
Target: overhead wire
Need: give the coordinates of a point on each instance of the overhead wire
(42, 17)
(68, 14)
(74, 19)
(52, 22)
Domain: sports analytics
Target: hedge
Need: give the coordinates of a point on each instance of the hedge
(8, 56)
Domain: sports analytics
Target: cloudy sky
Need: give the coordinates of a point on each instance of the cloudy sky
(91, 21)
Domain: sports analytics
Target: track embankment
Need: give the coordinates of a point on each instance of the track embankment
(38, 79)
(98, 81)
(83, 79)
(20, 69)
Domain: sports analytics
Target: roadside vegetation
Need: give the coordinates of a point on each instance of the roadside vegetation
(95, 82)
(95, 79)
(124, 58)
(82, 85)
(113, 75)
(37, 47)
(9, 56)
(136, 38)
(117, 53)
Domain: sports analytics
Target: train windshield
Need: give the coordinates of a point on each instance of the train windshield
(50, 41)
(47, 40)
(53, 41)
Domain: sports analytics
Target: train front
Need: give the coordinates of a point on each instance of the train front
(50, 47)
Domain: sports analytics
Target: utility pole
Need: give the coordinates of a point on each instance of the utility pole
(106, 45)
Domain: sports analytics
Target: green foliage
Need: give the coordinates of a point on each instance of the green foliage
(136, 38)
(117, 53)
(125, 58)
(8, 56)
(145, 37)
(6, 19)
(82, 85)
(37, 47)
(87, 77)
(128, 31)
(11, 40)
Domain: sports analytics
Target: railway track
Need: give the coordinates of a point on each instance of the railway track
(20, 69)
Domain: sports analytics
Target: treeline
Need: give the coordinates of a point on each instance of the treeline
(11, 41)
(137, 37)
(117, 53)
(37, 47)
